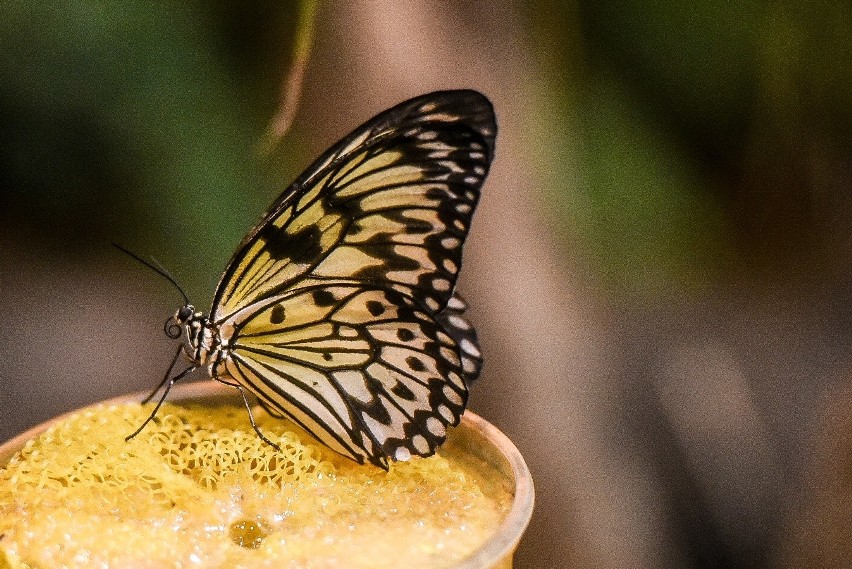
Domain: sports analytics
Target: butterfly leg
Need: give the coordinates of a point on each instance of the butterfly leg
(169, 385)
(250, 414)
(165, 377)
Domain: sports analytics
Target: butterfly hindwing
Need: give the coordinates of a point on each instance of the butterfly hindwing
(390, 204)
(365, 370)
(455, 324)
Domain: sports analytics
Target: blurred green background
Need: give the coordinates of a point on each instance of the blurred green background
(660, 267)
(145, 115)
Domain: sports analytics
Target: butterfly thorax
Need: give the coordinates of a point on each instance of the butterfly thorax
(202, 340)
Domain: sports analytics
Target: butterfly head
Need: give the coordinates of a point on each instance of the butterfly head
(175, 324)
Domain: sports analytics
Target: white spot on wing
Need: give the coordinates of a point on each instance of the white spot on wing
(448, 354)
(443, 338)
(402, 454)
(459, 322)
(446, 117)
(420, 444)
(450, 243)
(468, 347)
(435, 427)
(454, 377)
(446, 413)
(451, 166)
(452, 395)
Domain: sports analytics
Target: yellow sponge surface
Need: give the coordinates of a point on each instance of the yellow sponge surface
(198, 488)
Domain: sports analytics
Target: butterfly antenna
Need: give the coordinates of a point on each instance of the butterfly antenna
(157, 268)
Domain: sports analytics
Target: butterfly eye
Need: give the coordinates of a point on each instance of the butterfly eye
(184, 314)
(172, 328)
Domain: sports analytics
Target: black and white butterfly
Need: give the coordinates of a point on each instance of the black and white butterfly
(338, 310)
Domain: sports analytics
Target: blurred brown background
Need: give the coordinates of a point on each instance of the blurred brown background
(659, 268)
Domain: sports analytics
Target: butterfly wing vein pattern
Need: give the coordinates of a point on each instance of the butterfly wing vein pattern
(338, 310)
(364, 369)
(392, 206)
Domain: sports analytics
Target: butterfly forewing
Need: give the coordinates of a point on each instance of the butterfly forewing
(391, 203)
(339, 305)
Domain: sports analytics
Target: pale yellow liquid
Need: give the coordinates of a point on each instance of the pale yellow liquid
(198, 488)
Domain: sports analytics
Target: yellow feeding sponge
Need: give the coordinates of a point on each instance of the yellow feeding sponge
(198, 488)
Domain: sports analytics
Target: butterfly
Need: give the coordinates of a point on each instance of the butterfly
(338, 310)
